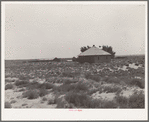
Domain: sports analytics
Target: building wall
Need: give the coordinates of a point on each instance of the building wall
(95, 59)
(103, 58)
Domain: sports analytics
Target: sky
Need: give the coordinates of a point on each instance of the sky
(45, 31)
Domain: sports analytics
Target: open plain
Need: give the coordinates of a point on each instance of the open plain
(118, 84)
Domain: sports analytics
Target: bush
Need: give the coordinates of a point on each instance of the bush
(138, 82)
(92, 77)
(52, 101)
(108, 104)
(42, 92)
(31, 94)
(20, 83)
(79, 100)
(44, 99)
(72, 87)
(8, 105)
(8, 86)
(137, 100)
(46, 85)
(84, 101)
(71, 74)
(112, 80)
(110, 89)
(122, 101)
(23, 78)
(13, 101)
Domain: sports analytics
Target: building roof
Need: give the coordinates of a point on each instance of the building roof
(94, 51)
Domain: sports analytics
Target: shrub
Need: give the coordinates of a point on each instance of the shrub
(108, 104)
(44, 99)
(122, 101)
(8, 86)
(23, 77)
(79, 100)
(110, 89)
(31, 94)
(46, 85)
(138, 82)
(42, 92)
(137, 100)
(21, 83)
(112, 80)
(13, 101)
(92, 77)
(71, 87)
(52, 101)
(92, 91)
(68, 81)
(8, 105)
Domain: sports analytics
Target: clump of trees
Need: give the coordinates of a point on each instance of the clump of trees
(82, 49)
(108, 49)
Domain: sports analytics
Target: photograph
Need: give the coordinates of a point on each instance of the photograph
(74, 56)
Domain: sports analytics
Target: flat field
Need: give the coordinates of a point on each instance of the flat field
(118, 84)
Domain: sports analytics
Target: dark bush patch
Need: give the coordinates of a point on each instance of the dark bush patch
(112, 80)
(31, 94)
(110, 89)
(137, 100)
(79, 100)
(42, 92)
(44, 99)
(36, 85)
(52, 101)
(8, 86)
(8, 105)
(13, 101)
(72, 87)
(21, 83)
(24, 104)
(122, 101)
(92, 77)
(23, 78)
(138, 82)
(71, 74)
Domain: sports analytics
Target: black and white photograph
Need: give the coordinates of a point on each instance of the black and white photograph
(74, 57)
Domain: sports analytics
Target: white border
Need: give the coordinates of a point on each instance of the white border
(65, 114)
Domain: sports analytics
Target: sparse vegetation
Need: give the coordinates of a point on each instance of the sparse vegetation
(77, 83)
(8, 86)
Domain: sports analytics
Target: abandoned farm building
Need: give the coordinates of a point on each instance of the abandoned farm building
(94, 55)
